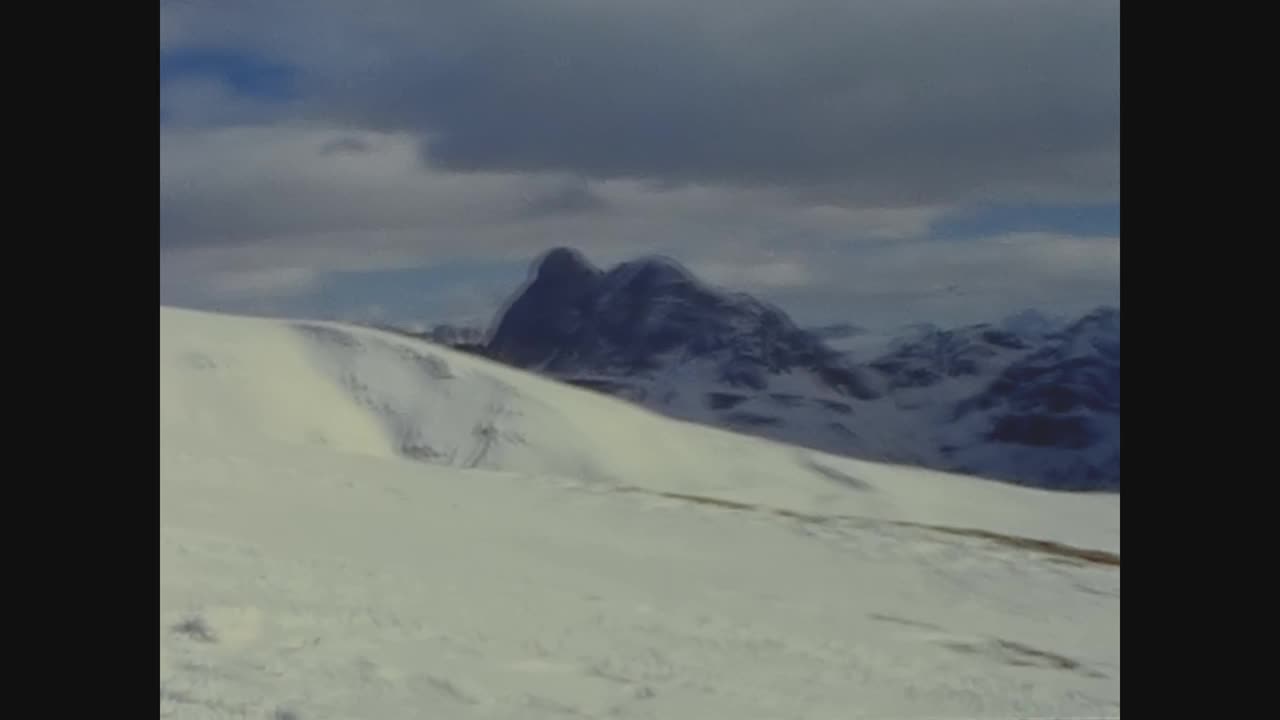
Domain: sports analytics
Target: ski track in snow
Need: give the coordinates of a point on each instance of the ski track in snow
(308, 570)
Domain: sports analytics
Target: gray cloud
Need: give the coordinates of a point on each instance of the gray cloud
(346, 145)
(861, 102)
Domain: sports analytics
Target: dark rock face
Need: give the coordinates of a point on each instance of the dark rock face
(1078, 369)
(934, 355)
(456, 336)
(1043, 430)
(724, 401)
(549, 315)
(1033, 400)
(645, 315)
(836, 331)
(1064, 396)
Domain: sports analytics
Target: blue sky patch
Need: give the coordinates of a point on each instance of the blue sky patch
(245, 74)
(988, 220)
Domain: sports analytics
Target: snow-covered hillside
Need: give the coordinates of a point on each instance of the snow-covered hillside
(357, 524)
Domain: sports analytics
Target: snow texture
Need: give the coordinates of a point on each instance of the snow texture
(355, 524)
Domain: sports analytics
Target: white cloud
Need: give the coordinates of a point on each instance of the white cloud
(271, 282)
(956, 282)
(244, 206)
(748, 276)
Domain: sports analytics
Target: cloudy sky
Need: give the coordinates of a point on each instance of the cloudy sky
(877, 161)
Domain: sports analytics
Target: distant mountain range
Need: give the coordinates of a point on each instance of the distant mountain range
(1032, 400)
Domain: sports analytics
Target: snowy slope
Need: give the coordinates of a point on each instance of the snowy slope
(374, 393)
(360, 525)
